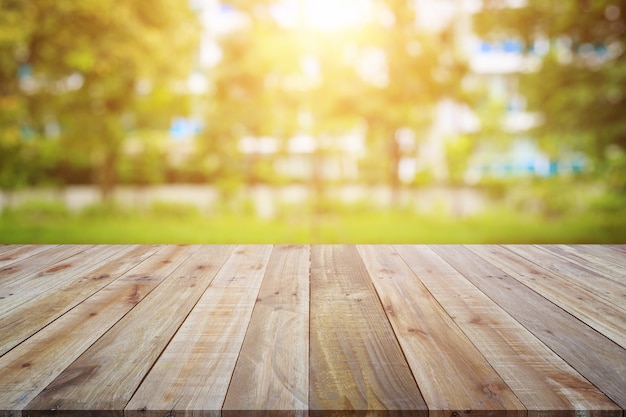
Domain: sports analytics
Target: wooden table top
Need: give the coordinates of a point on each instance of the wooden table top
(288, 330)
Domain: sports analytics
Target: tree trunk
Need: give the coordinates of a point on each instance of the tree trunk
(317, 195)
(394, 164)
(108, 177)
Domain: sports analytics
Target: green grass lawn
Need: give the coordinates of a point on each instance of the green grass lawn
(360, 227)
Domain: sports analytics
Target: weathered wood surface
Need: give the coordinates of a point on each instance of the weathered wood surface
(12, 253)
(432, 342)
(98, 380)
(36, 312)
(272, 370)
(536, 375)
(298, 330)
(591, 353)
(30, 367)
(356, 361)
(194, 371)
(581, 301)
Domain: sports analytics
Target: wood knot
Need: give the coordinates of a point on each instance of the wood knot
(103, 276)
(492, 390)
(58, 268)
(419, 332)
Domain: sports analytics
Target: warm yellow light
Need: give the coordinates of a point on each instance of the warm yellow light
(335, 15)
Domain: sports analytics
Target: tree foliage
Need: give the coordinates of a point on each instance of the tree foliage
(72, 71)
(580, 84)
(88, 75)
(379, 75)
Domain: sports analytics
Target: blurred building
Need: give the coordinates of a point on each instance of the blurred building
(496, 67)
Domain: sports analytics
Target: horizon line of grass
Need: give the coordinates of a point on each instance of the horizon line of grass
(179, 224)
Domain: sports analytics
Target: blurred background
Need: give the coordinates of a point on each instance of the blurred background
(317, 121)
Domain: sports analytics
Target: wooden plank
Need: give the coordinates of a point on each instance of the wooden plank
(30, 286)
(620, 248)
(272, 372)
(108, 373)
(11, 276)
(572, 254)
(28, 368)
(192, 375)
(356, 362)
(450, 382)
(16, 253)
(581, 303)
(607, 253)
(538, 377)
(578, 276)
(593, 355)
(32, 315)
(4, 247)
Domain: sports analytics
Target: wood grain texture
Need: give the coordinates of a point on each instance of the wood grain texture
(311, 331)
(578, 276)
(585, 305)
(14, 253)
(28, 368)
(272, 372)
(431, 341)
(574, 255)
(193, 374)
(32, 286)
(617, 247)
(593, 355)
(33, 314)
(4, 247)
(99, 381)
(20, 275)
(608, 253)
(356, 361)
(538, 377)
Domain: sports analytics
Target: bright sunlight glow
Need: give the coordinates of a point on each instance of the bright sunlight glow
(335, 15)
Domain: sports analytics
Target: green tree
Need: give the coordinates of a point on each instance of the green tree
(248, 95)
(81, 64)
(14, 32)
(315, 76)
(581, 77)
(422, 65)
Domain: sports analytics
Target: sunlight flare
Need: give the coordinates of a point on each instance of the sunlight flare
(335, 15)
